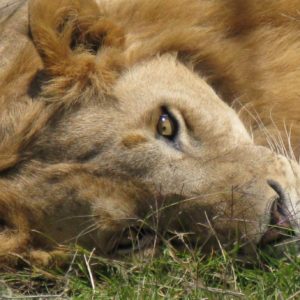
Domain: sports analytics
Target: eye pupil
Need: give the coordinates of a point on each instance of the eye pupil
(167, 126)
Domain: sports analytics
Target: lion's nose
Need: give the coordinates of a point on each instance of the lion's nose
(282, 197)
(280, 227)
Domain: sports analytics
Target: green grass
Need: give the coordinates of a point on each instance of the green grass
(173, 275)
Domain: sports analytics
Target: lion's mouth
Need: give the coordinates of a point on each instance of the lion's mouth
(132, 239)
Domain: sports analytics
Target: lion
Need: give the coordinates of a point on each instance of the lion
(128, 124)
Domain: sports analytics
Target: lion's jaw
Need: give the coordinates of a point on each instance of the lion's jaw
(210, 180)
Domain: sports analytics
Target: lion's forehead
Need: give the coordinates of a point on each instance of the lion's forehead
(165, 81)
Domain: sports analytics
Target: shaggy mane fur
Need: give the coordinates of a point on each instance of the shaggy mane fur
(246, 50)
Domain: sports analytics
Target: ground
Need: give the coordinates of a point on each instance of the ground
(174, 275)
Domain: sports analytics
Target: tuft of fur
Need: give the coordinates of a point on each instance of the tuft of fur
(67, 35)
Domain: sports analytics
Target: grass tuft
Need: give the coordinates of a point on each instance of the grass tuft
(172, 275)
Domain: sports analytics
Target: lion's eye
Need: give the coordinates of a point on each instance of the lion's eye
(167, 126)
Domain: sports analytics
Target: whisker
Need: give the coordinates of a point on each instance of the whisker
(289, 138)
(84, 232)
(254, 115)
(77, 217)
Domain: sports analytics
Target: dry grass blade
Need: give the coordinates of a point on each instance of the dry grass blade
(60, 296)
(294, 296)
(219, 291)
(87, 263)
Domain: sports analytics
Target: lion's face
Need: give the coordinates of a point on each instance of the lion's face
(120, 158)
(162, 155)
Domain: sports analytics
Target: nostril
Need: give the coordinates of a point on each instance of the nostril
(278, 189)
(279, 209)
(280, 227)
(279, 216)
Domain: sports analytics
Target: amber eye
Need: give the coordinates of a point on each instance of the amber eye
(167, 126)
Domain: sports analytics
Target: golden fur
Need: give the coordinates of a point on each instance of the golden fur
(80, 157)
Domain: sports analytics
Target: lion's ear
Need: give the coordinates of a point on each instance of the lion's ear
(68, 33)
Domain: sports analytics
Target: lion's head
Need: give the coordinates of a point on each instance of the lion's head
(118, 156)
